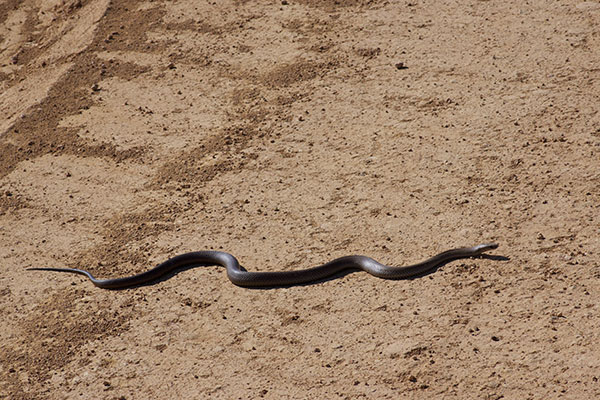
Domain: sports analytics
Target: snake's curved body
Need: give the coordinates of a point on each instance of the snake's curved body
(241, 277)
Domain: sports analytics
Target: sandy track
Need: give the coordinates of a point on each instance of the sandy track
(289, 133)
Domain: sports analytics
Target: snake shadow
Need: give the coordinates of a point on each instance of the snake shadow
(333, 277)
(342, 274)
(166, 276)
(433, 270)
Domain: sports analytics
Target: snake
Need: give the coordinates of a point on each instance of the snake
(241, 277)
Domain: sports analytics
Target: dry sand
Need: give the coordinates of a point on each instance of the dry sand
(290, 133)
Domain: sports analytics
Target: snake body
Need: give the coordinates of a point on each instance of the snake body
(239, 276)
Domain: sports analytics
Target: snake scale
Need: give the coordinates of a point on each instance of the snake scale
(239, 276)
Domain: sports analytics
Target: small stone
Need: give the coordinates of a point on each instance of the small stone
(248, 346)
(400, 348)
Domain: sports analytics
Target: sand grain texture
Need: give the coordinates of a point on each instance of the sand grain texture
(290, 133)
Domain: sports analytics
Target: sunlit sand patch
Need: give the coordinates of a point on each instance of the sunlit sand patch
(72, 187)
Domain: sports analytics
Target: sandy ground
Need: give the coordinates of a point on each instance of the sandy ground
(290, 133)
